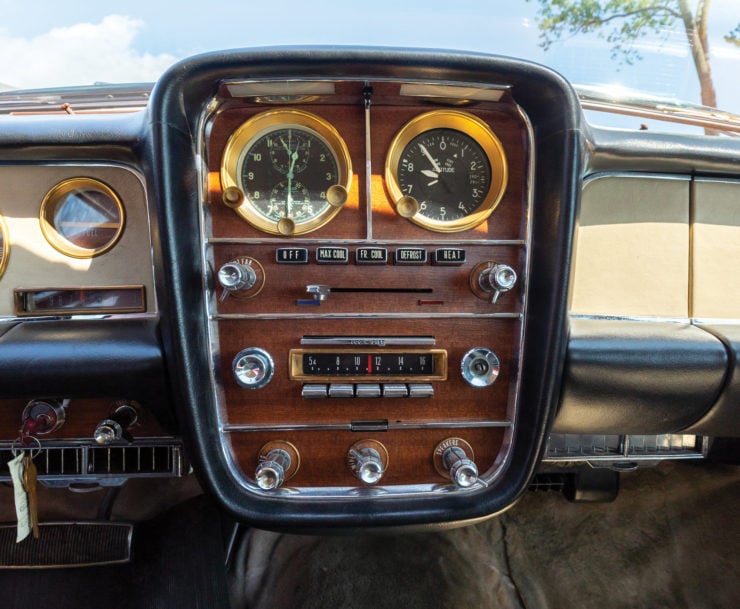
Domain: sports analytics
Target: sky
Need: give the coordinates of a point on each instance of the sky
(71, 42)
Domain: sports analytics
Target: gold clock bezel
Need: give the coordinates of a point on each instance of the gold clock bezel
(56, 195)
(473, 127)
(248, 133)
(5, 246)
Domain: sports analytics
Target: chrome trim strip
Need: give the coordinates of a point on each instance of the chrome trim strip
(676, 320)
(370, 341)
(227, 316)
(362, 242)
(239, 428)
(368, 164)
(620, 458)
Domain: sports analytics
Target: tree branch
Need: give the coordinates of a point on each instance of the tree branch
(649, 10)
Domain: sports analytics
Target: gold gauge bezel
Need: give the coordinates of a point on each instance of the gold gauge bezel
(56, 195)
(4, 246)
(473, 127)
(258, 126)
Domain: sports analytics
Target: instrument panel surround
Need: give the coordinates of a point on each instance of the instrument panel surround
(183, 103)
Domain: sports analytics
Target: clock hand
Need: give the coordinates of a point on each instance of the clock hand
(429, 173)
(289, 197)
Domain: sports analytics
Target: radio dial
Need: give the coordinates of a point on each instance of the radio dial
(253, 368)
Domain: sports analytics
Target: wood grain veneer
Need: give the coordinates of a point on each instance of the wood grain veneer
(83, 416)
(323, 452)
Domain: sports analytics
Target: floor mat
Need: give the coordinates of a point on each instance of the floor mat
(177, 564)
(671, 539)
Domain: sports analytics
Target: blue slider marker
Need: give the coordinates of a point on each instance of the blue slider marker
(308, 302)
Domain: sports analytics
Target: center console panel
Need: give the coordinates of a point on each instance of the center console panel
(367, 291)
(381, 355)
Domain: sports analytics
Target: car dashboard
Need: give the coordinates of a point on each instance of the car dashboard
(361, 287)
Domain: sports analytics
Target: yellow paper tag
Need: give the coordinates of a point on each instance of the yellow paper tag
(21, 498)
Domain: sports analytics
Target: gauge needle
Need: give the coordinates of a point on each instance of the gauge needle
(430, 174)
(289, 198)
(425, 152)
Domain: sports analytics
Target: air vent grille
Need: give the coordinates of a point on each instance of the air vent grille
(85, 462)
(599, 447)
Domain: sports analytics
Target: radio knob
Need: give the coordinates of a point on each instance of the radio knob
(234, 276)
(368, 460)
(253, 368)
(480, 367)
(453, 458)
(278, 462)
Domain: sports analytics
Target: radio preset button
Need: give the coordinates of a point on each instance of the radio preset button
(423, 390)
(314, 391)
(395, 390)
(368, 391)
(340, 390)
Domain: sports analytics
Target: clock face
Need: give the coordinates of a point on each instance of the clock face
(289, 172)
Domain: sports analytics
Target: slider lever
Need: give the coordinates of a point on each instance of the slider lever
(319, 292)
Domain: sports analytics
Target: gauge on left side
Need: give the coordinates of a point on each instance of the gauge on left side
(286, 172)
(4, 245)
(82, 217)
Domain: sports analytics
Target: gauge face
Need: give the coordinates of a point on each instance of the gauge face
(82, 217)
(292, 169)
(4, 246)
(446, 171)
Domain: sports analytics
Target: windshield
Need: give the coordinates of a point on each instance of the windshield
(634, 48)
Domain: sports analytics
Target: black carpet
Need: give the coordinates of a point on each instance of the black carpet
(177, 564)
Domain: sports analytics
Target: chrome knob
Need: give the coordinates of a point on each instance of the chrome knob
(480, 367)
(108, 431)
(270, 473)
(497, 279)
(463, 471)
(454, 459)
(42, 417)
(123, 416)
(234, 276)
(368, 460)
(253, 368)
(278, 461)
(318, 292)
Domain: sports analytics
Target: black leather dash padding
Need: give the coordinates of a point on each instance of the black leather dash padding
(723, 419)
(638, 377)
(83, 358)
